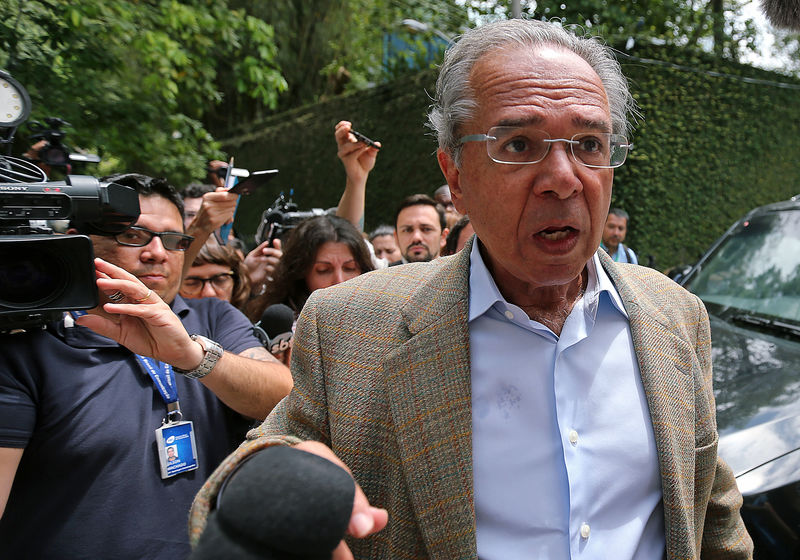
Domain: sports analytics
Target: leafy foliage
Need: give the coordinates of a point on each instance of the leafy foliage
(136, 78)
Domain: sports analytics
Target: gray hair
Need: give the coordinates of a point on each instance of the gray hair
(455, 101)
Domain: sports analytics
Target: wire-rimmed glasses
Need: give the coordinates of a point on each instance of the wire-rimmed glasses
(517, 145)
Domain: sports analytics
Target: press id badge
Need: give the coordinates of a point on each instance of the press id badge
(177, 451)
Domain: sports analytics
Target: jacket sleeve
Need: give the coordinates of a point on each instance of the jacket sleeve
(302, 415)
(724, 534)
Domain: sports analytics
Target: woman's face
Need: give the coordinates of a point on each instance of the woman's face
(333, 264)
(208, 280)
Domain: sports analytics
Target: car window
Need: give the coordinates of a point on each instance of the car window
(755, 269)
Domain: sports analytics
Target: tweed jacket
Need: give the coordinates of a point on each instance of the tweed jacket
(381, 366)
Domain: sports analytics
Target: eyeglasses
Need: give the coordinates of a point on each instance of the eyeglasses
(193, 285)
(136, 236)
(524, 145)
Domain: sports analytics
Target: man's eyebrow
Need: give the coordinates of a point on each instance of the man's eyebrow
(592, 124)
(520, 122)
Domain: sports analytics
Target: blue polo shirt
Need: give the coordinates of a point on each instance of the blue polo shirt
(89, 484)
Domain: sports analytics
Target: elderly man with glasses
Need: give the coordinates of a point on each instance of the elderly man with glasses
(527, 397)
(90, 405)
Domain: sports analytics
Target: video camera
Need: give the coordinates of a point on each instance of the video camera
(54, 152)
(43, 274)
(280, 218)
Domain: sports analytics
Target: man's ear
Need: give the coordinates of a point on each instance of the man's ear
(72, 231)
(443, 240)
(452, 176)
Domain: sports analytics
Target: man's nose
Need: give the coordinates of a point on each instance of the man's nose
(557, 173)
(208, 290)
(154, 251)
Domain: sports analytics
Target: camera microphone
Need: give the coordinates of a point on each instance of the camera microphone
(274, 330)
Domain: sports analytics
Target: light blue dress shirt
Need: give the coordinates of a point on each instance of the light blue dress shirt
(621, 255)
(564, 456)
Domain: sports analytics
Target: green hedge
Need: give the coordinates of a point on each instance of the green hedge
(712, 145)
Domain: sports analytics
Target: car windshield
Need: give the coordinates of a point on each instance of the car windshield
(756, 269)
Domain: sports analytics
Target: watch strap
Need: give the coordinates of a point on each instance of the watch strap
(212, 354)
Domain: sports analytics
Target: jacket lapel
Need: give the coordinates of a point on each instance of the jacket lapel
(430, 402)
(665, 362)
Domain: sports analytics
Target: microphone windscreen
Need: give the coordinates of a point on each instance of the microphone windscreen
(277, 319)
(784, 14)
(280, 503)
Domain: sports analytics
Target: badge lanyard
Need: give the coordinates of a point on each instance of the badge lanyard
(177, 451)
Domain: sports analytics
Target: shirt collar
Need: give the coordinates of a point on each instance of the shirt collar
(484, 293)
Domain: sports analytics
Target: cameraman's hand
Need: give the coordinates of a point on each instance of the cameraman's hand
(262, 261)
(358, 158)
(216, 209)
(141, 322)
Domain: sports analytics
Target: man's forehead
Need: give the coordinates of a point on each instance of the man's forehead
(521, 85)
(424, 213)
(159, 214)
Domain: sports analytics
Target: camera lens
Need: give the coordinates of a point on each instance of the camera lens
(31, 277)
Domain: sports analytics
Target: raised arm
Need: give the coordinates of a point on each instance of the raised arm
(251, 383)
(358, 160)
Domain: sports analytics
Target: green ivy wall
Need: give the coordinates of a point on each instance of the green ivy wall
(717, 139)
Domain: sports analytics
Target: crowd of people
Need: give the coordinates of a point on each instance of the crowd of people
(498, 386)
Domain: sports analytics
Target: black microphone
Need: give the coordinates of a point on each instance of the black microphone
(274, 330)
(280, 503)
(784, 14)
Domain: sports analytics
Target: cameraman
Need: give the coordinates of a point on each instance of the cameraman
(82, 402)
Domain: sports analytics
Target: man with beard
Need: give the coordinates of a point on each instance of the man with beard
(421, 229)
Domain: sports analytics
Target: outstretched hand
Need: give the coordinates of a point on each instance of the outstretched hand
(216, 209)
(365, 520)
(140, 320)
(262, 261)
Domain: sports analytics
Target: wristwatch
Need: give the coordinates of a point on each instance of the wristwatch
(213, 352)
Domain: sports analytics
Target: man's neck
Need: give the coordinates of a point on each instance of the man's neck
(549, 305)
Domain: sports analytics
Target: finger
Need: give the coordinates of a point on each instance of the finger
(342, 552)
(113, 272)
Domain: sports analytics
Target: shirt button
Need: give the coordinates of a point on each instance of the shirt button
(573, 438)
(585, 530)
(509, 315)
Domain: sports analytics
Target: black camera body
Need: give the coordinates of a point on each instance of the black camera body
(43, 274)
(280, 218)
(55, 152)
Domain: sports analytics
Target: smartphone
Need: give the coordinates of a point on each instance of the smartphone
(361, 138)
(253, 181)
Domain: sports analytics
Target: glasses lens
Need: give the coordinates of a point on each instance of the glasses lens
(222, 281)
(134, 237)
(192, 285)
(599, 149)
(176, 241)
(511, 144)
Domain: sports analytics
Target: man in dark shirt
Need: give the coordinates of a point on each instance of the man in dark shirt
(89, 404)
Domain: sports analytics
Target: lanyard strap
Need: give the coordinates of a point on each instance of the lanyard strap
(163, 378)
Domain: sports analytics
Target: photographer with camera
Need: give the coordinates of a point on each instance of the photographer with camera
(357, 154)
(89, 405)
